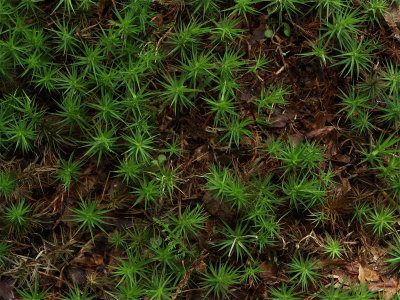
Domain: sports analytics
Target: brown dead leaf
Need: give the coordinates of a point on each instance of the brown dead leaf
(346, 186)
(258, 34)
(377, 254)
(98, 259)
(218, 208)
(361, 274)
(390, 292)
(352, 268)
(320, 133)
(366, 274)
(296, 138)
(6, 289)
(101, 6)
(387, 283)
(201, 267)
(268, 270)
(85, 261)
(342, 158)
(280, 120)
(320, 120)
(371, 275)
(158, 20)
(392, 18)
(76, 275)
(390, 287)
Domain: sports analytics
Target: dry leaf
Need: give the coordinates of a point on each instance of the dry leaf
(320, 133)
(361, 275)
(392, 18)
(6, 289)
(352, 268)
(370, 275)
(268, 270)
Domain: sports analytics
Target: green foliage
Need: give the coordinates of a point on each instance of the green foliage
(381, 148)
(90, 61)
(72, 113)
(237, 241)
(227, 187)
(393, 252)
(251, 271)
(236, 131)
(333, 292)
(361, 212)
(72, 82)
(363, 292)
(244, 8)
(300, 157)
(18, 217)
(156, 92)
(327, 7)
(381, 220)
(342, 27)
(168, 181)
(139, 145)
(125, 25)
(223, 108)
(391, 111)
(186, 38)
(33, 293)
(130, 170)
(165, 256)
(206, 7)
(68, 171)
(304, 271)
(361, 122)
(160, 287)
(284, 293)
(355, 58)
(333, 248)
(391, 76)
(89, 216)
(353, 103)
(303, 192)
(372, 86)
(226, 30)
(8, 183)
(174, 148)
(318, 50)
(176, 93)
(149, 192)
(284, 7)
(259, 63)
(198, 67)
(266, 229)
(75, 294)
(101, 143)
(129, 291)
(375, 9)
(190, 222)
(4, 252)
(270, 98)
(107, 109)
(319, 218)
(219, 279)
(130, 270)
(65, 37)
(67, 5)
(228, 65)
(22, 134)
(117, 239)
